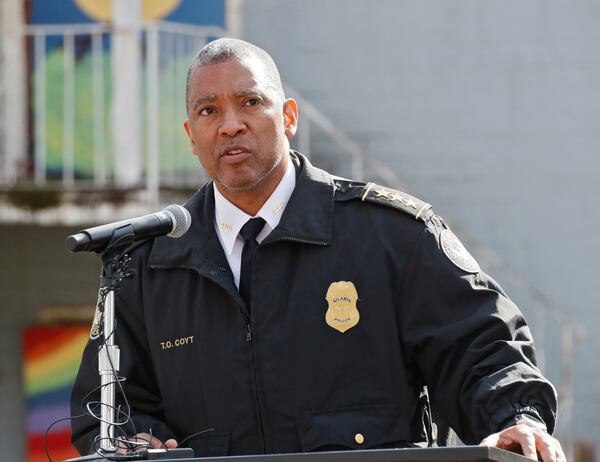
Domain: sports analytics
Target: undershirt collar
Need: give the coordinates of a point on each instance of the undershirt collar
(229, 219)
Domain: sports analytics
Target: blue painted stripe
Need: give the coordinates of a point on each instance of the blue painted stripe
(51, 398)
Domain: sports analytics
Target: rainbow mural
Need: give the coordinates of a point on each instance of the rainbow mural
(51, 360)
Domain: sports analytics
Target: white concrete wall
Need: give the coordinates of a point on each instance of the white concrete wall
(13, 101)
(489, 110)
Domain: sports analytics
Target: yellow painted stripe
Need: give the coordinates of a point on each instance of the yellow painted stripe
(66, 355)
(60, 377)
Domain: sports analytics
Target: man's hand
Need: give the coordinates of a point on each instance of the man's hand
(144, 441)
(530, 440)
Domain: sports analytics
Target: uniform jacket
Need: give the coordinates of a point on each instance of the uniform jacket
(281, 378)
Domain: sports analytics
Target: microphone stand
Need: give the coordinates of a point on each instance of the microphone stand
(115, 270)
(115, 261)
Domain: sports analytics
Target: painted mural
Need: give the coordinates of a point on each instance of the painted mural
(51, 360)
(91, 88)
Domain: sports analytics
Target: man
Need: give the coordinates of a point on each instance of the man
(321, 330)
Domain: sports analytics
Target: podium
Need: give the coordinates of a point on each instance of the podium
(452, 454)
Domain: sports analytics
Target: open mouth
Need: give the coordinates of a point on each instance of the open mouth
(235, 154)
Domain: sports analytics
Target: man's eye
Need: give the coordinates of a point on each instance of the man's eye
(253, 102)
(207, 111)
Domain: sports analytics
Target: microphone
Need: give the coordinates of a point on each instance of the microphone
(173, 221)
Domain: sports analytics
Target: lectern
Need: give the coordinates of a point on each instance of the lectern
(454, 454)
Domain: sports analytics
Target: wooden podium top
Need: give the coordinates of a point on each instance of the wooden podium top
(452, 454)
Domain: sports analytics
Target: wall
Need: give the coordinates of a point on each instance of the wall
(35, 271)
(489, 110)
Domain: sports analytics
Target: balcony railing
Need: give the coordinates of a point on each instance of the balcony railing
(71, 111)
(71, 104)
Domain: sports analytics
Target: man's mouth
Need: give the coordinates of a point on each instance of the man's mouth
(236, 154)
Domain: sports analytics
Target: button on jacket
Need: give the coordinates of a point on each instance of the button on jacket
(356, 305)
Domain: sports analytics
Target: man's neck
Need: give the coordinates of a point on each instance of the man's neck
(251, 200)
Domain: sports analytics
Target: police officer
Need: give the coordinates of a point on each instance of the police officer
(350, 297)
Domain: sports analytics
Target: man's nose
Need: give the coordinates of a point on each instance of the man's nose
(232, 123)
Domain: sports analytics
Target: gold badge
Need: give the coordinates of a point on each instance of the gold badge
(342, 313)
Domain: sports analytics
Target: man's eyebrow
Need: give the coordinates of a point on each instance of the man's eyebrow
(203, 99)
(249, 92)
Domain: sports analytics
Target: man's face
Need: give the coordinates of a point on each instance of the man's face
(238, 124)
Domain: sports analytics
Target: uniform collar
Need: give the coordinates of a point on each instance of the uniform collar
(229, 219)
(308, 218)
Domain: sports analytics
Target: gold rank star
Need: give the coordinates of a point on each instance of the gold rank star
(383, 193)
(398, 197)
(411, 203)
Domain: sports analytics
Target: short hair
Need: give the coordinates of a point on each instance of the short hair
(225, 49)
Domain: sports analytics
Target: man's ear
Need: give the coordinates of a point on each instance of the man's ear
(188, 130)
(290, 117)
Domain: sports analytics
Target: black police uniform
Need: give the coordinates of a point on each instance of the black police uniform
(360, 297)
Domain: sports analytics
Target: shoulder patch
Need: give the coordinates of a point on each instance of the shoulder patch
(457, 254)
(392, 198)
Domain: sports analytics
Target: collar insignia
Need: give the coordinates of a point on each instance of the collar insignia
(226, 226)
(278, 207)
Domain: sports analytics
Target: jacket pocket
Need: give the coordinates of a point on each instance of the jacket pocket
(355, 428)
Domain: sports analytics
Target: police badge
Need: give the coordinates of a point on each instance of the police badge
(342, 313)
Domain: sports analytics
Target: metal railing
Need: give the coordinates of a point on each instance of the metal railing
(71, 105)
(49, 42)
(70, 68)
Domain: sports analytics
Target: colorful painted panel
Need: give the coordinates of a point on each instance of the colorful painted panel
(71, 84)
(205, 12)
(51, 361)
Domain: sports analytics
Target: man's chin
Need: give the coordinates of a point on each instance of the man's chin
(244, 184)
(237, 185)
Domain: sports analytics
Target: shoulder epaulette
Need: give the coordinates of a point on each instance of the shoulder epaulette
(399, 200)
(346, 189)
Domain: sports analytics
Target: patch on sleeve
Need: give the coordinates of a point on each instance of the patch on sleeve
(457, 253)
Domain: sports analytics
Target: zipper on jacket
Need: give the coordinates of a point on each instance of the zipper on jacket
(261, 429)
(249, 338)
(249, 341)
(246, 317)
